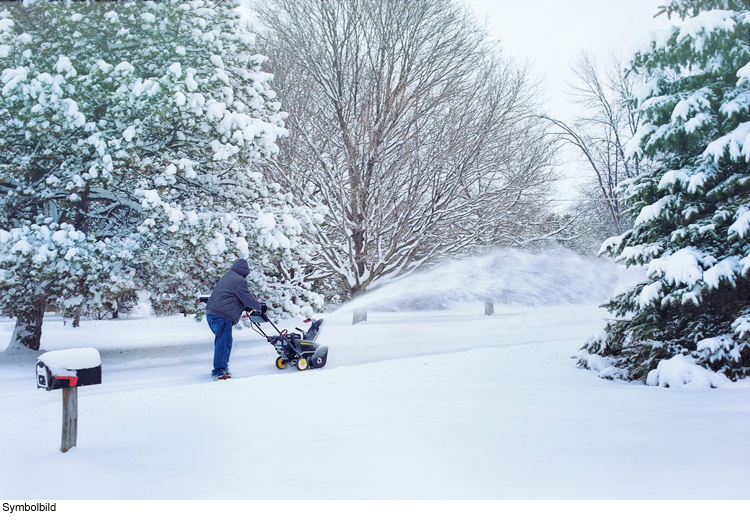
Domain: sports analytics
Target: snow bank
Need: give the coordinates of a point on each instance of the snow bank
(681, 371)
(61, 361)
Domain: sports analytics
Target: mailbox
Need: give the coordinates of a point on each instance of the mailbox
(64, 369)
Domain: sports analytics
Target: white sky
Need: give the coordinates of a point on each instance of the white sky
(550, 34)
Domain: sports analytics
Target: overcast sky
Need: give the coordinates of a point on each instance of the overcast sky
(550, 33)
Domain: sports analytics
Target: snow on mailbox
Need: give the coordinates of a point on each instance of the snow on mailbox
(68, 370)
(63, 369)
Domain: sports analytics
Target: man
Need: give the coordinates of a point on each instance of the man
(225, 306)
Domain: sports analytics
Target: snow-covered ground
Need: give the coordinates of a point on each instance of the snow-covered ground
(446, 404)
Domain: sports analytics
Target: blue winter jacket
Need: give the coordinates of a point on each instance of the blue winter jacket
(231, 294)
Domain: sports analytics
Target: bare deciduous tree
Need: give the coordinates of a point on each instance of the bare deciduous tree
(608, 120)
(409, 127)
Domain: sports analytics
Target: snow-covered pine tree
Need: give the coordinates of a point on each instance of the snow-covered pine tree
(692, 212)
(130, 136)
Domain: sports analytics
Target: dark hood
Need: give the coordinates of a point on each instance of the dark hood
(241, 267)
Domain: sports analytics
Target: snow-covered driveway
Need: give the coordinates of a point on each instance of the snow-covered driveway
(440, 405)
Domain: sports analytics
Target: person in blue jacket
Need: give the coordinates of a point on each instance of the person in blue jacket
(229, 299)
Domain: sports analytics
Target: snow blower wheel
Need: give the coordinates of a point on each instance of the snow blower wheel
(280, 363)
(302, 364)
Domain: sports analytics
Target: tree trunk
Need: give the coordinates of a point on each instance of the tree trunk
(489, 307)
(77, 317)
(28, 330)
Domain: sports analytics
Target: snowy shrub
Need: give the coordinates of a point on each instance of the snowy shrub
(111, 305)
(692, 228)
(682, 371)
(601, 365)
(131, 135)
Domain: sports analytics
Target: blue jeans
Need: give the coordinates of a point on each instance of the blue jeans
(222, 329)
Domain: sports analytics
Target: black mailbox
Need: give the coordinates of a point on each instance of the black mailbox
(64, 369)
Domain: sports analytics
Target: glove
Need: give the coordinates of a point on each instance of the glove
(263, 308)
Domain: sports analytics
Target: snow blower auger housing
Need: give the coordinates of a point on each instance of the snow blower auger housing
(297, 349)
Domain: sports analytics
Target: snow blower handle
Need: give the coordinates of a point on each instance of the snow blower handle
(257, 315)
(261, 316)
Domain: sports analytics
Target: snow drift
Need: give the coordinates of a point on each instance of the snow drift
(682, 371)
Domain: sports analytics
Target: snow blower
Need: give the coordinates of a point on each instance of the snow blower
(296, 349)
(299, 350)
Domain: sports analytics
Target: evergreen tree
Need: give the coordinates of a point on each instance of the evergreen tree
(692, 209)
(130, 137)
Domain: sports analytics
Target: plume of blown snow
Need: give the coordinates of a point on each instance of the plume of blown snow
(504, 276)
